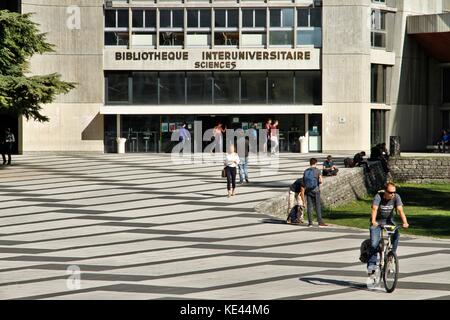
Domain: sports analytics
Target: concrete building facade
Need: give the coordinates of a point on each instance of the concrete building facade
(346, 74)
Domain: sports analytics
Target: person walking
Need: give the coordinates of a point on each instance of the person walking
(185, 137)
(267, 127)
(243, 141)
(231, 162)
(218, 138)
(312, 180)
(274, 138)
(7, 142)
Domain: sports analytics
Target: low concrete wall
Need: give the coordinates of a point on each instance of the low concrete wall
(420, 170)
(349, 185)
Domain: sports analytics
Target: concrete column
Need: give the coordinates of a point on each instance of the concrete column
(118, 126)
(346, 75)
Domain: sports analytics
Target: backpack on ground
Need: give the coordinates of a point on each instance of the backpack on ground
(311, 180)
(365, 251)
(294, 215)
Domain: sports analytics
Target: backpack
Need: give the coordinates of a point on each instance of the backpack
(310, 179)
(293, 216)
(365, 251)
(348, 163)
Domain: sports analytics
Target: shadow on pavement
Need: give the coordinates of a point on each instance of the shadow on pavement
(343, 283)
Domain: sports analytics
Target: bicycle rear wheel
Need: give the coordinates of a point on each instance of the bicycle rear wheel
(390, 272)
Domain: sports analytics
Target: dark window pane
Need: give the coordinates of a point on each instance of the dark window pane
(280, 38)
(275, 17)
(145, 88)
(308, 87)
(171, 88)
(253, 87)
(302, 18)
(192, 18)
(378, 83)
(446, 85)
(288, 17)
(316, 17)
(260, 18)
(150, 19)
(138, 19)
(199, 87)
(164, 18)
(178, 16)
(122, 18)
(116, 38)
(281, 87)
(226, 87)
(247, 18)
(220, 18)
(110, 18)
(110, 39)
(233, 18)
(205, 18)
(117, 87)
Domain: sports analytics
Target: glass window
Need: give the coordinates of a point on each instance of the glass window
(178, 18)
(110, 18)
(145, 88)
(275, 17)
(122, 18)
(247, 18)
(117, 87)
(192, 18)
(288, 17)
(114, 38)
(226, 87)
(138, 19)
(199, 87)
(281, 87)
(164, 19)
(150, 18)
(303, 17)
(205, 18)
(378, 127)
(253, 87)
(308, 87)
(280, 38)
(233, 18)
(446, 85)
(260, 18)
(220, 18)
(316, 17)
(172, 88)
(378, 83)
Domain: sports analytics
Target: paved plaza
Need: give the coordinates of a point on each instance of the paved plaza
(140, 227)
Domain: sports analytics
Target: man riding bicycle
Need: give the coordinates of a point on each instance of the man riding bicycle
(383, 207)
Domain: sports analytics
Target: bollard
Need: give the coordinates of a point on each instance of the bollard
(121, 145)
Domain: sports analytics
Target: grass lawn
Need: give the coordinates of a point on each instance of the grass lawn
(427, 207)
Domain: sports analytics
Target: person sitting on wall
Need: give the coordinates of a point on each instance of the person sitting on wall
(379, 153)
(358, 160)
(329, 169)
(444, 140)
(375, 153)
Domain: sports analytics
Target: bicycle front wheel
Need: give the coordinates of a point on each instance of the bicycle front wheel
(390, 272)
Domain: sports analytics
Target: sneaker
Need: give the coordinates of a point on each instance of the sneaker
(310, 225)
(246, 180)
(321, 225)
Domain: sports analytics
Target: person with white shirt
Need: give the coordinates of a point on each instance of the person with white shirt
(231, 162)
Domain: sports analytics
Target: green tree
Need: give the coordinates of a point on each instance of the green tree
(20, 94)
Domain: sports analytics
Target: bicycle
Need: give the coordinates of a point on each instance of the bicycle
(388, 266)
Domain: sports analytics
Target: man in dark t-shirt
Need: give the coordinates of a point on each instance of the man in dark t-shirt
(383, 207)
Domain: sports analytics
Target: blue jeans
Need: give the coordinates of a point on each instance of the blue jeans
(375, 238)
(243, 170)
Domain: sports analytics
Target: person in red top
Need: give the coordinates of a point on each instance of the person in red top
(274, 138)
(267, 127)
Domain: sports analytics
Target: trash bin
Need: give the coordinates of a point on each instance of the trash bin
(121, 145)
(303, 144)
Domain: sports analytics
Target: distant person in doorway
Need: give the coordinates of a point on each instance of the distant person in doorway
(6, 145)
(218, 136)
(185, 137)
(443, 141)
(312, 179)
(231, 163)
(267, 127)
(328, 168)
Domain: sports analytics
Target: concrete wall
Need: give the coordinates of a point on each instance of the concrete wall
(75, 123)
(421, 170)
(346, 75)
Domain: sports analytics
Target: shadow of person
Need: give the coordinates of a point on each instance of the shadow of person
(274, 221)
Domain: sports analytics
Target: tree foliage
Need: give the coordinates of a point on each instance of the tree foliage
(22, 94)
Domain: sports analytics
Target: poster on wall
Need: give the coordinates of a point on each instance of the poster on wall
(172, 127)
(164, 127)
